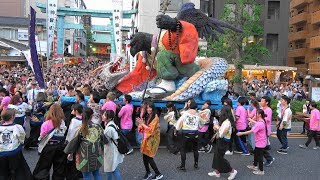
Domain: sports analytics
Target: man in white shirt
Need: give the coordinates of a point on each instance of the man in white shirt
(33, 92)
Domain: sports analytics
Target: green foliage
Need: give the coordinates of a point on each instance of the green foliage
(243, 14)
(236, 79)
(236, 47)
(295, 106)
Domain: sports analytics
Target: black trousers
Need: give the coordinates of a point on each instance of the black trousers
(266, 153)
(219, 163)
(258, 157)
(51, 155)
(172, 144)
(203, 139)
(149, 160)
(32, 141)
(193, 140)
(71, 171)
(232, 140)
(312, 134)
(14, 167)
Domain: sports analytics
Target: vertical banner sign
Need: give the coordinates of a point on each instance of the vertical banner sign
(52, 6)
(33, 49)
(117, 24)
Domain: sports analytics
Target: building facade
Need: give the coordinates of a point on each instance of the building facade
(274, 18)
(75, 39)
(304, 36)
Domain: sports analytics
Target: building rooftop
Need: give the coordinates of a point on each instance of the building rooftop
(18, 21)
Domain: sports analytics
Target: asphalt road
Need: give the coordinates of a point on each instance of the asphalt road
(302, 164)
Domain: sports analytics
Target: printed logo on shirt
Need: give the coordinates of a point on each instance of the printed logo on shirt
(6, 137)
(191, 120)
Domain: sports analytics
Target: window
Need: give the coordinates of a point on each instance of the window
(272, 42)
(176, 4)
(204, 6)
(299, 60)
(11, 34)
(274, 10)
(300, 44)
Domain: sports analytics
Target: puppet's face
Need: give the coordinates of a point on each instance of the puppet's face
(140, 42)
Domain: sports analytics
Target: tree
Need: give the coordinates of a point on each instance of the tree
(240, 48)
(89, 40)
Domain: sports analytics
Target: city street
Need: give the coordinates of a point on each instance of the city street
(298, 164)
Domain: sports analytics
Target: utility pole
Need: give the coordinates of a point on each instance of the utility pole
(211, 8)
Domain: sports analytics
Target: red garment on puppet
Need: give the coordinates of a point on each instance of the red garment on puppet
(187, 48)
(136, 77)
(187, 44)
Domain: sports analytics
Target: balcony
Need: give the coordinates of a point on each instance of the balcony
(297, 52)
(298, 18)
(293, 36)
(315, 17)
(315, 42)
(298, 3)
(314, 68)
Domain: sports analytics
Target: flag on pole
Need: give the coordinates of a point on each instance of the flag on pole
(33, 50)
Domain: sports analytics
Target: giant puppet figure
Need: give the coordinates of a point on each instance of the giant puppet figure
(178, 47)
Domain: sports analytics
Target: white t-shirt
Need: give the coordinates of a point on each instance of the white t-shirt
(20, 109)
(189, 122)
(170, 117)
(225, 126)
(74, 126)
(11, 137)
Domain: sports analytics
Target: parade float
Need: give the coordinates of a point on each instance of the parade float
(167, 68)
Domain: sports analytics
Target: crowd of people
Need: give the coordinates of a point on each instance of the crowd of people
(77, 126)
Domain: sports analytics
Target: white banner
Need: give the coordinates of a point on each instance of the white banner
(117, 24)
(315, 96)
(52, 6)
(27, 55)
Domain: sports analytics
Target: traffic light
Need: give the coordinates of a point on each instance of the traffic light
(86, 21)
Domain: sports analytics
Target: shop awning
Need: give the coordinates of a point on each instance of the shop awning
(267, 68)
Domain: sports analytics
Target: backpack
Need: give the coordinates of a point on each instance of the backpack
(122, 141)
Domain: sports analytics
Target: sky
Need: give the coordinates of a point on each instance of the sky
(103, 5)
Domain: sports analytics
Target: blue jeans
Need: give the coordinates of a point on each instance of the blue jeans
(251, 141)
(96, 175)
(125, 132)
(115, 173)
(282, 136)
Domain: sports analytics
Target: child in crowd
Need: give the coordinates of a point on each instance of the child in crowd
(12, 162)
(305, 109)
(51, 146)
(74, 127)
(284, 124)
(89, 140)
(95, 106)
(109, 103)
(261, 138)
(314, 127)
(205, 114)
(150, 127)
(171, 117)
(125, 115)
(189, 123)
(241, 126)
(224, 128)
(112, 157)
(252, 120)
